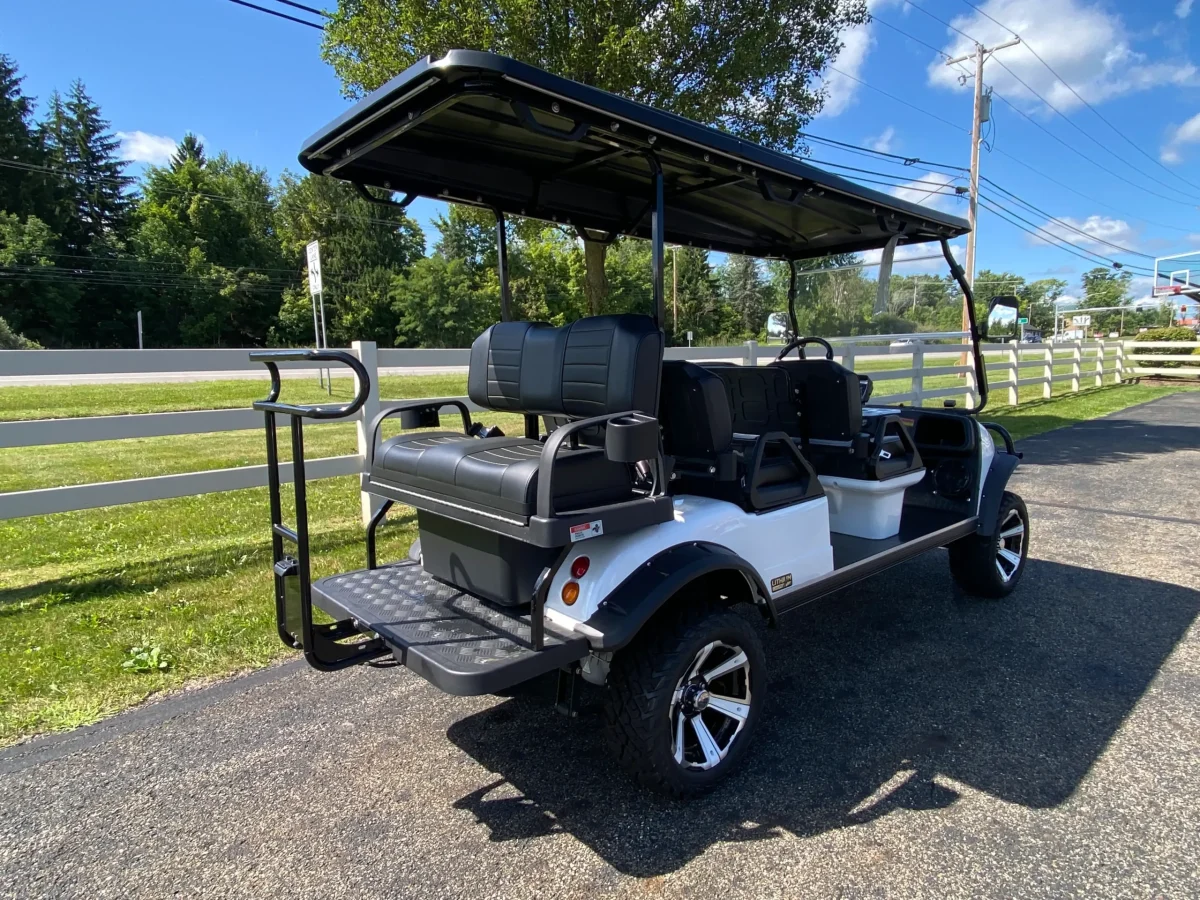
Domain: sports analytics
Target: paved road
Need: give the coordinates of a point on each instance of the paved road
(920, 744)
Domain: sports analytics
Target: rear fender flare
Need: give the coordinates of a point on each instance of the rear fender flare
(994, 484)
(635, 600)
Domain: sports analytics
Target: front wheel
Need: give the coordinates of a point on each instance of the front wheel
(684, 700)
(991, 566)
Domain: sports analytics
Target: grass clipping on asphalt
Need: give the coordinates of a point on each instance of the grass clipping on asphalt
(100, 609)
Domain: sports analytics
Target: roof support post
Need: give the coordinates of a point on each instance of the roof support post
(795, 322)
(502, 267)
(885, 275)
(657, 243)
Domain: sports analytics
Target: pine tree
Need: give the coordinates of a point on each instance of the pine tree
(19, 146)
(190, 149)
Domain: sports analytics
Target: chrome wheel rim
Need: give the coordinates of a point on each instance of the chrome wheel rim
(1010, 545)
(710, 706)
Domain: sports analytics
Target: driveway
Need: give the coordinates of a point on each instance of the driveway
(919, 744)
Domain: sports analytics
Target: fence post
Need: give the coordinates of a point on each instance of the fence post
(1048, 373)
(1076, 359)
(752, 353)
(1120, 364)
(1100, 365)
(918, 379)
(1014, 373)
(367, 354)
(848, 356)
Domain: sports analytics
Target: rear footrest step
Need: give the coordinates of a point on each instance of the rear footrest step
(460, 643)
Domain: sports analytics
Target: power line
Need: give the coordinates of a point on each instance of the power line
(1050, 237)
(868, 151)
(1084, 156)
(1051, 106)
(1080, 97)
(1067, 225)
(310, 9)
(1074, 125)
(272, 12)
(897, 99)
(1022, 162)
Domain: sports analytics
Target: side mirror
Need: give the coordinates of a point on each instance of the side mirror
(1000, 300)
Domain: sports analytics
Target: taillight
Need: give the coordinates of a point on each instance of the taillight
(580, 566)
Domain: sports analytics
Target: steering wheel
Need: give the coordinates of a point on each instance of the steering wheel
(798, 344)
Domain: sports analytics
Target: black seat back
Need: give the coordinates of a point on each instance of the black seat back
(760, 399)
(694, 413)
(829, 399)
(594, 366)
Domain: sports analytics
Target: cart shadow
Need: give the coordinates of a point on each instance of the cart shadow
(882, 699)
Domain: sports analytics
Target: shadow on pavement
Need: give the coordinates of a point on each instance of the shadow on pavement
(1108, 440)
(875, 692)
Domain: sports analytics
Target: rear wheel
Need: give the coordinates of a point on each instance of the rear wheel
(991, 566)
(684, 700)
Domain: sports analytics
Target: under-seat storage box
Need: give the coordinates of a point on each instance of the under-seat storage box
(494, 566)
(867, 509)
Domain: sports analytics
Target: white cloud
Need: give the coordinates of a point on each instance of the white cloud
(840, 87)
(1183, 9)
(1086, 44)
(1187, 133)
(931, 189)
(1096, 230)
(140, 146)
(882, 143)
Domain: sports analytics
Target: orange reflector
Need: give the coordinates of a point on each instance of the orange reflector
(570, 592)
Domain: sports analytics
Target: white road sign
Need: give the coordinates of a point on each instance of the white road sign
(314, 268)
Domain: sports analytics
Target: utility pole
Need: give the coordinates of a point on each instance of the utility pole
(982, 114)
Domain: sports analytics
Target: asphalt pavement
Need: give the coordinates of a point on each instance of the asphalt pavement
(918, 744)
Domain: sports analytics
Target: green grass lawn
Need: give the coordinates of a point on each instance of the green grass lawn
(192, 576)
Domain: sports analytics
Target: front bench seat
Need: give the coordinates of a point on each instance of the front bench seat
(595, 366)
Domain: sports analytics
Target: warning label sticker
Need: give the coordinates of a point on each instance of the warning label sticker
(585, 530)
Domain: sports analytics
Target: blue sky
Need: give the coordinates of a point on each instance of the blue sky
(255, 86)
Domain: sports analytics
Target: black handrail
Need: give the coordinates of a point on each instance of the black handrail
(271, 403)
(981, 380)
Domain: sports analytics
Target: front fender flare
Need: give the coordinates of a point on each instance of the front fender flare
(631, 604)
(994, 483)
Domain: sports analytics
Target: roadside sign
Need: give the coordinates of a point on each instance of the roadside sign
(1024, 320)
(314, 268)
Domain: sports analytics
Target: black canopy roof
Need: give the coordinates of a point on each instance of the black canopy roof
(487, 130)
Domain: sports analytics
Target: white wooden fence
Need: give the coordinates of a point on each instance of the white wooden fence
(949, 376)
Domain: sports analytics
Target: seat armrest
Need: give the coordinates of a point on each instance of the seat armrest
(754, 466)
(545, 490)
(420, 406)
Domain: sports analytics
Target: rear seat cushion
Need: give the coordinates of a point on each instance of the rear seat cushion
(499, 473)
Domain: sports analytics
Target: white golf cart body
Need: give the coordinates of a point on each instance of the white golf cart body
(641, 488)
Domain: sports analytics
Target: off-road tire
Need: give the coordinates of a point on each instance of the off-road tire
(641, 687)
(974, 559)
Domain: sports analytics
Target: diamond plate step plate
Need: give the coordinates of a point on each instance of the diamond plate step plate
(460, 643)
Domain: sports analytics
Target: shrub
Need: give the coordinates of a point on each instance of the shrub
(11, 340)
(1174, 333)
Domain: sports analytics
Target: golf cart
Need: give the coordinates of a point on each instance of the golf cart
(646, 497)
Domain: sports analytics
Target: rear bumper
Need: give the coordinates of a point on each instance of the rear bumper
(458, 642)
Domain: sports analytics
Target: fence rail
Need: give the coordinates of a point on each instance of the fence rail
(935, 371)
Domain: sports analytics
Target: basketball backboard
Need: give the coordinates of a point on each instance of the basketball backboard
(1177, 275)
